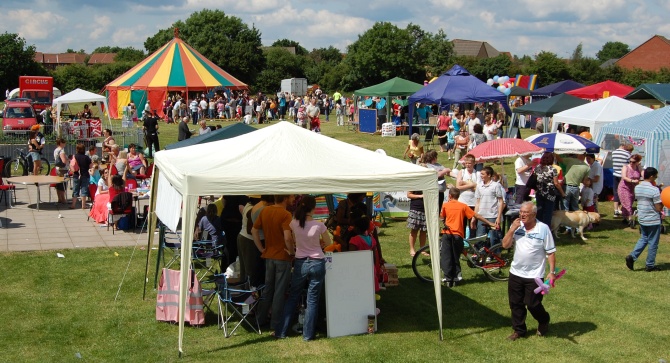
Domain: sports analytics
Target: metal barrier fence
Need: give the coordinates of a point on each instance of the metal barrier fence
(11, 141)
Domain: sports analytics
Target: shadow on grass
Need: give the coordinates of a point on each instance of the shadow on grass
(410, 307)
(569, 330)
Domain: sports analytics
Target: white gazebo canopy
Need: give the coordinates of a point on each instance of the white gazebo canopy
(280, 159)
(599, 113)
(80, 96)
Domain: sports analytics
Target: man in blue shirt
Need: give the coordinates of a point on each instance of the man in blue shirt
(649, 209)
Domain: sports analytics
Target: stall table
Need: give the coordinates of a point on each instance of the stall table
(36, 180)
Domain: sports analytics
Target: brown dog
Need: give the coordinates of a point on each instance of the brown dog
(577, 220)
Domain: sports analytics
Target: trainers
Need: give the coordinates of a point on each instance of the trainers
(630, 262)
(514, 336)
(652, 268)
(542, 329)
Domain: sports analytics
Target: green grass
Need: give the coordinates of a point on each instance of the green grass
(53, 308)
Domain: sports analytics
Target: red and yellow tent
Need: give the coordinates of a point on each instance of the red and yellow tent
(174, 67)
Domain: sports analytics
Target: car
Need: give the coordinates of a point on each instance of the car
(18, 116)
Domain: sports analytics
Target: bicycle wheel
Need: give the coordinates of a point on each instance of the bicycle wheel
(14, 168)
(45, 167)
(422, 266)
(497, 262)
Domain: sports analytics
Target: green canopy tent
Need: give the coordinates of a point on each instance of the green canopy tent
(651, 94)
(393, 87)
(223, 133)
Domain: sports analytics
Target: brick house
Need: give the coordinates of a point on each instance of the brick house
(101, 58)
(53, 60)
(651, 55)
(474, 48)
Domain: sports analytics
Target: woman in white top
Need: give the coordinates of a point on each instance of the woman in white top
(103, 187)
(467, 181)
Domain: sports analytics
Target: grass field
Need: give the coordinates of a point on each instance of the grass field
(601, 312)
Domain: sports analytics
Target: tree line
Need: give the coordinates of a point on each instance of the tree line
(381, 52)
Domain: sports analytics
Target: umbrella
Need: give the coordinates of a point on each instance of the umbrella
(504, 148)
(564, 143)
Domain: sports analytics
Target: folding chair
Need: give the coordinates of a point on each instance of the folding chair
(4, 188)
(121, 205)
(204, 252)
(149, 171)
(428, 137)
(241, 299)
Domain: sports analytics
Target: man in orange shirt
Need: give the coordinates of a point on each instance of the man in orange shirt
(278, 252)
(453, 214)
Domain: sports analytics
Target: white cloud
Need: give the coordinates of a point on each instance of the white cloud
(124, 37)
(448, 4)
(101, 26)
(33, 25)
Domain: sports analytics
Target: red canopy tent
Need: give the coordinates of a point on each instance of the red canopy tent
(602, 90)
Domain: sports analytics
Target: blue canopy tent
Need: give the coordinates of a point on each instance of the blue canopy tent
(652, 131)
(455, 86)
(556, 88)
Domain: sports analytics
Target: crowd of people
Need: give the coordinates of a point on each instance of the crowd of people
(281, 246)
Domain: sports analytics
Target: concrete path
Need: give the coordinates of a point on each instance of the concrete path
(26, 229)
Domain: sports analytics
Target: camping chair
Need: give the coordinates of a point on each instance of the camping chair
(241, 299)
(428, 137)
(113, 170)
(131, 184)
(150, 170)
(204, 252)
(4, 188)
(121, 205)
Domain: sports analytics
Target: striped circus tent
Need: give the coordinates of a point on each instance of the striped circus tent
(176, 66)
(649, 133)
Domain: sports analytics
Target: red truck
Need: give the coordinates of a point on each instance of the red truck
(39, 89)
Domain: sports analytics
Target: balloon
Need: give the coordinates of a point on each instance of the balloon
(489, 81)
(495, 79)
(507, 91)
(508, 84)
(506, 79)
(665, 197)
(586, 135)
(501, 88)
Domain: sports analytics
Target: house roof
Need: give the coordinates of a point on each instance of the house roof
(652, 59)
(101, 58)
(60, 58)
(474, 48)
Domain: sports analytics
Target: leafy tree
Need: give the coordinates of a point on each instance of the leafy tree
(612, 50)
(549, 68)
(577, 54)
(489, 67)
(330, 55)
(436, 51)
(332, 80)
(16, 59)
(386, 51)
(319, 62)
(299, 49)
(281, 64)
(586, 70)
(128, 54)
(223, 39)
(72, 76)
(467, 62)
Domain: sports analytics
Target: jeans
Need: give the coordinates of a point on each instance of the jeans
(571, 200)
(545, 209)
(308, 272)
(277, 277)
(649, 237)
(483, 229)
(194, 117)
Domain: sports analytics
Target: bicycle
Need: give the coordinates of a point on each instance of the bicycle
(21, 165)
(495, 261)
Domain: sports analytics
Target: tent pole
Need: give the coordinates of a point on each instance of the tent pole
(151, 227)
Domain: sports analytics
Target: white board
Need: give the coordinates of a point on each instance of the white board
(350, 293)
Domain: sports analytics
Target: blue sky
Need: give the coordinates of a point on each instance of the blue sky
(519, 26)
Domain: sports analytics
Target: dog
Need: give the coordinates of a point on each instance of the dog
(577, 220)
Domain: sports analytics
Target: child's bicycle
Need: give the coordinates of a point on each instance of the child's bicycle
(495, 261)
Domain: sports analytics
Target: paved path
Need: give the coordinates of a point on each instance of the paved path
(26, 229)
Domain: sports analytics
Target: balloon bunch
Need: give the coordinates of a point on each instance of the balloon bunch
(543, 286)
(503, 82)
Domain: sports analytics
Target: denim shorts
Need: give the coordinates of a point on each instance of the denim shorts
(80, 187)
